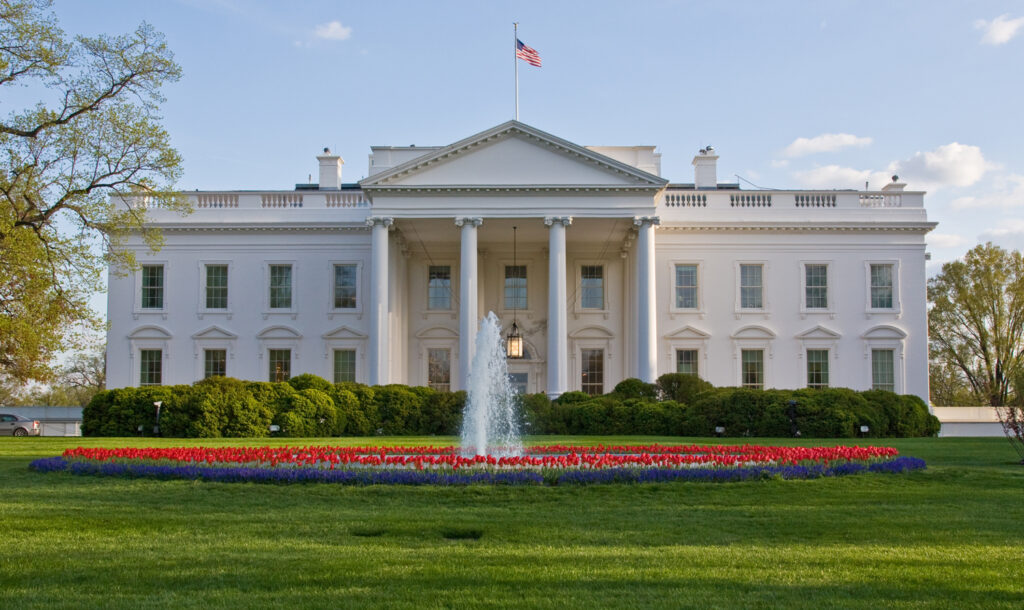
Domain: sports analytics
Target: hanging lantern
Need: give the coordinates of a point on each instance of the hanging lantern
(514, 343)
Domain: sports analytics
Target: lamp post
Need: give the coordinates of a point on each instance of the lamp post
(156, 427)
(514, 341)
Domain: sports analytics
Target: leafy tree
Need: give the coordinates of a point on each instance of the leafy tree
(976, 322)
(79, 168)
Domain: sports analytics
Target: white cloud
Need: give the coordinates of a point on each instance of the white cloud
(1000, 30)
(333, 31)
(826, 142)
(946, 240)
(1008, 193)
(1009, 234)
(952, 164)
(779, 163)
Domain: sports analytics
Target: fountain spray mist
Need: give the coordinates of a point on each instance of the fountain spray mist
(490, 422)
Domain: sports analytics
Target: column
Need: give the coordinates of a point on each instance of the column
(646, 299)
(558, 347)
(379, 323)
(468, 318)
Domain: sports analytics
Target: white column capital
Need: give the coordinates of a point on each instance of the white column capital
(565, 221)
(384, 221)
(470, 221)
(640, 221)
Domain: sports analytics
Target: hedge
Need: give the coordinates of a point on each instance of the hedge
(677, 405)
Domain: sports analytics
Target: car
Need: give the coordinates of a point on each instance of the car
(16, 425)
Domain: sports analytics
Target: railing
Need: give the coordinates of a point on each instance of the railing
(686, 200)
(804, 200)
(281, 200)
(750, 200)
(217, 200)
(815, 200)
(347, 200)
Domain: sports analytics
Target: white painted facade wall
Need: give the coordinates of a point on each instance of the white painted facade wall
(515, 175)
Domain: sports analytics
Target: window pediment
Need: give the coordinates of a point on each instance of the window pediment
(344, 332)
(215, 333)
(819, 332)
(688, 332)
(885, 332)
(150, 331)
(279, 332)
(754, 332)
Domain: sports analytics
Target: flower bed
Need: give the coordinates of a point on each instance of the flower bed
(551, 464)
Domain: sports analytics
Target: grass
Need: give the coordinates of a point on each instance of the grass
(950, 536)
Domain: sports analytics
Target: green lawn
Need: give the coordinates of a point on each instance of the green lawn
(951, 536)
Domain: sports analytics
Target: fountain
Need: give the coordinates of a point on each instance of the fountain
(490, 423)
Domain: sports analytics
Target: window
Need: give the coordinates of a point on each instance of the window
(816, 286)
(593, 371)
(216, 286)
(152, 286)
(345, 286)
(883, 371)
(344, 365)
(439, 369)
(515, 286)
(592, 287)
(881, 286)
(151, 367)
(686, 361)
(439, 287)
(817, 368)
(280, 364)
(752, 371)
(280, 286)
(518, 382)
(686, 286)
(215, 363)
(751, 287)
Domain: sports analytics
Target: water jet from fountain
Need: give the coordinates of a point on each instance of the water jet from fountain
(490, 420)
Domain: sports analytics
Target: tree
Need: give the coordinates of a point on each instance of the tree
(976, 320)
(78, 168)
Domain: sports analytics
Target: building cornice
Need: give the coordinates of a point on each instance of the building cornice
(317, 227)
(514, 189)
(800, 227)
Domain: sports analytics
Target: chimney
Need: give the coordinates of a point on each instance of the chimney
(330, 170)
(705, 169)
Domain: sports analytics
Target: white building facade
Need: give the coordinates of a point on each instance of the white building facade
(609, 271)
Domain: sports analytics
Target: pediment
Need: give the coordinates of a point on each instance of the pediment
(885, 331)
(591, 332)
(688, 332)
(819, 332)
(754, 332)
(344, 332)
(150, 331)
(215, 333)
(279, 332)
(437, 332)
(513, 155)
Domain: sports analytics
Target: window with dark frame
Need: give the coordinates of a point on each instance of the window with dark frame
(280, 286)
(215, 363)
(592, 287)
(686, 361)
(439, 287)
(344, 365)
(345, 286)
(883, 370)
(592, 381)
(817, 368)
(152, 287)
(280, 364)
(150, 367)
(816, 286)
(881, 286)
(439, 369)
(752, 371)
(686, 286)
(751, 286)
(216, 286)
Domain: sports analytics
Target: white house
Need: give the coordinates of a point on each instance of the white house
(609, 270)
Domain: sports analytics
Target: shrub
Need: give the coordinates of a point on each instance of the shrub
(536, 414)
(309, 413)
(681, 387)
(309, 381)
(443, 413)
(634, 388)
(399, 408)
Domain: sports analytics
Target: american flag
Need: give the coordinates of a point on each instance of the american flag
(527, 54)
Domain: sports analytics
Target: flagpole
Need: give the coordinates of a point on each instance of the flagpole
(515, 60)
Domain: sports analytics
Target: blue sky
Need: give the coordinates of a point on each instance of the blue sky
(791, 94)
